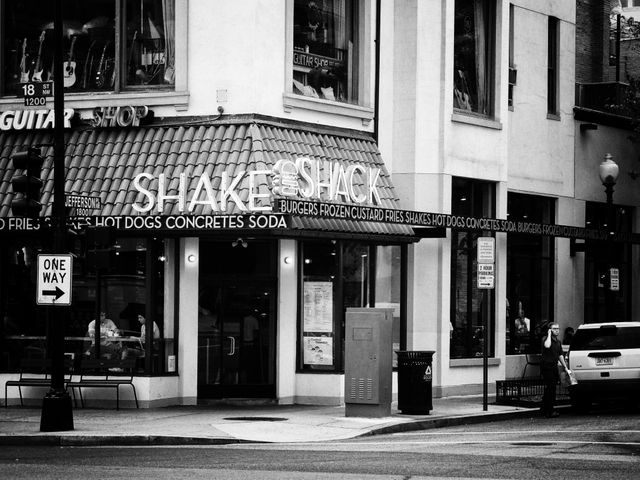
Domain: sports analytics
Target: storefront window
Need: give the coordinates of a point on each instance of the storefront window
(471, 308)
(473, 56)
(388, 287)
(144, 30)
(529, 275)
(321, 319)
(126, 292)
(371, 277)
(325, 49)
(600, 256)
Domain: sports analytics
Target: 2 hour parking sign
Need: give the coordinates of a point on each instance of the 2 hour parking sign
(55, 273)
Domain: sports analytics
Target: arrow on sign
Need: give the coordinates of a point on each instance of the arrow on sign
(57, 292)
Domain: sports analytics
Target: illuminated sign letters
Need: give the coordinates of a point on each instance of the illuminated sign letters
(32, 119)
(304, 177)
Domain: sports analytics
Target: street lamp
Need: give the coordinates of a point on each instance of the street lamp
(608, 171)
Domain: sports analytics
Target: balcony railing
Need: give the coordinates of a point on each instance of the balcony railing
(606, 97)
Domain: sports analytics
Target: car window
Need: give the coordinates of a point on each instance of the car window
(606, 337)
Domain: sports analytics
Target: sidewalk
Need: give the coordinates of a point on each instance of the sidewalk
(224, 423)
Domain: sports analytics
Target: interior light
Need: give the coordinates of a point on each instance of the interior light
(307, 261)
(162, 258)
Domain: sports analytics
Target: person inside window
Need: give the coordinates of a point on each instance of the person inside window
(521, 329)
(109, 347)
(139, 352)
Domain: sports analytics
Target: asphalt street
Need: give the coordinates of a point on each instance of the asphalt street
(597, 446)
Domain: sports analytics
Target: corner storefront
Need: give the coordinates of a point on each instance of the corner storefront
(174, 225)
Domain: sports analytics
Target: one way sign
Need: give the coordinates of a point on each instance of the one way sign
(55, 273)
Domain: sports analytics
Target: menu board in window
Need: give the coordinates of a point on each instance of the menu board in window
(318, 323)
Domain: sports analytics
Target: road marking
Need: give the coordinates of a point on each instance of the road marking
(513, 432)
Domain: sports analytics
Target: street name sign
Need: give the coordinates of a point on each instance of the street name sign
(55, 273)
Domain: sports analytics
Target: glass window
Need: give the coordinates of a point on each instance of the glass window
(529, 274)
(473, 56)
(320, 316)
(325, 49)
(105, 48)
(388, 287)
(552, 66)
(127, 296)
(370, 277)
(470, 306)
(600, 256)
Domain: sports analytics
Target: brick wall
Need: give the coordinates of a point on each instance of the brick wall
(592, 41)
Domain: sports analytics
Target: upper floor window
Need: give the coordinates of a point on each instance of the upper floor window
(473, 56)
(552, 66)
(109, 45)
(326, 49)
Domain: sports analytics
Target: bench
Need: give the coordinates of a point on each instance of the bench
(34, 372)
(104, 373)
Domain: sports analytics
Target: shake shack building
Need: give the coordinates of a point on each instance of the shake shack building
(177, 222)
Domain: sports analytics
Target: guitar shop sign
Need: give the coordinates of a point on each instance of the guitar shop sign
(304, 178)
(42, 119)
(128, 116)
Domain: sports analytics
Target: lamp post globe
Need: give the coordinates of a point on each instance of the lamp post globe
(608, 170)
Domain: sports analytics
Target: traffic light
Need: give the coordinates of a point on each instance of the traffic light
(28, 184)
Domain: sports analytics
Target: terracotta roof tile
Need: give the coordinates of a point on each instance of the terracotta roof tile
(104, 162)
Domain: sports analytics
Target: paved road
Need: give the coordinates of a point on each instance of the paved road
(597, 446)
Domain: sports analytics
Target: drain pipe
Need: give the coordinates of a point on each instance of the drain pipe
(376, 100)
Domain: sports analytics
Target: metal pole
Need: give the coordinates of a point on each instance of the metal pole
(608, 293)
(57, 412)
(485, 351)
(618, 48)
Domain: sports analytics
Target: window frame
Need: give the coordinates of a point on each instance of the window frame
(177, 96)
(492, 55)
(553, 67)
(363, 109)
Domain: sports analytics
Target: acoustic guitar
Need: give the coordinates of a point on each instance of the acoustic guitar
(38, 68)
(70, 67)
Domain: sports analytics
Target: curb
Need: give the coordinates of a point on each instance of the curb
(56, 440)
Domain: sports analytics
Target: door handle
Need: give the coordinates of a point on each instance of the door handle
(232, 351)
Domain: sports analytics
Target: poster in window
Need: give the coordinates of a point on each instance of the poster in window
(318, 307)
(318, 350)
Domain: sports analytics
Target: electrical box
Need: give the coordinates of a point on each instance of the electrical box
(368, 362)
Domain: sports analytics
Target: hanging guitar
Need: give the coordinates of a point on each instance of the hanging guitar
(38, 68)
(102, 78)
(69, 67)
(24, 71)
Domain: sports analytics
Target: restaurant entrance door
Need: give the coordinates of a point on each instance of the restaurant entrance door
(236, 332)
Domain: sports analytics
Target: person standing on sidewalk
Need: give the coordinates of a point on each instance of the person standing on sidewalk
(551, 355)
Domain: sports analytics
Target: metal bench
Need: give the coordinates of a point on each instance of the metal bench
(34, 372)
(105, 374)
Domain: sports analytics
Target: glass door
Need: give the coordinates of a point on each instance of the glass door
(236, 333)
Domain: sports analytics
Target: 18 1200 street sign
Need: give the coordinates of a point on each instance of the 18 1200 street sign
(35, 93)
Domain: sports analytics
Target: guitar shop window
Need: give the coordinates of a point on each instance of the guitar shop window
(474, 56)
(109, 45)
(326, 49)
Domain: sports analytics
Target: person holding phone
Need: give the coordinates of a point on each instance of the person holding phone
(551, 355)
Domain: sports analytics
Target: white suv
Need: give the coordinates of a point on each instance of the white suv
(605, 358)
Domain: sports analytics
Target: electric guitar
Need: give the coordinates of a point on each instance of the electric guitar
(24, 71)
(70, 67)
(38, 68)
(101, 73)
(88, 63)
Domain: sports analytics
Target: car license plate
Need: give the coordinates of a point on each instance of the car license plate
(604, 361)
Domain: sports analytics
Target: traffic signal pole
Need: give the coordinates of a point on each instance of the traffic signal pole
(57, 411)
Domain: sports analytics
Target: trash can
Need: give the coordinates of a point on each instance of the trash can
(414, 382)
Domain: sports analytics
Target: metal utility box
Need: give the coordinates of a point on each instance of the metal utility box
(368, 362)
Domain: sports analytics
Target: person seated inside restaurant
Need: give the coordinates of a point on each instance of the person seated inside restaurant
(109, 346)
(139, 352)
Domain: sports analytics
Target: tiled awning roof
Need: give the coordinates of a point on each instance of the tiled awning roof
(103, 163)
